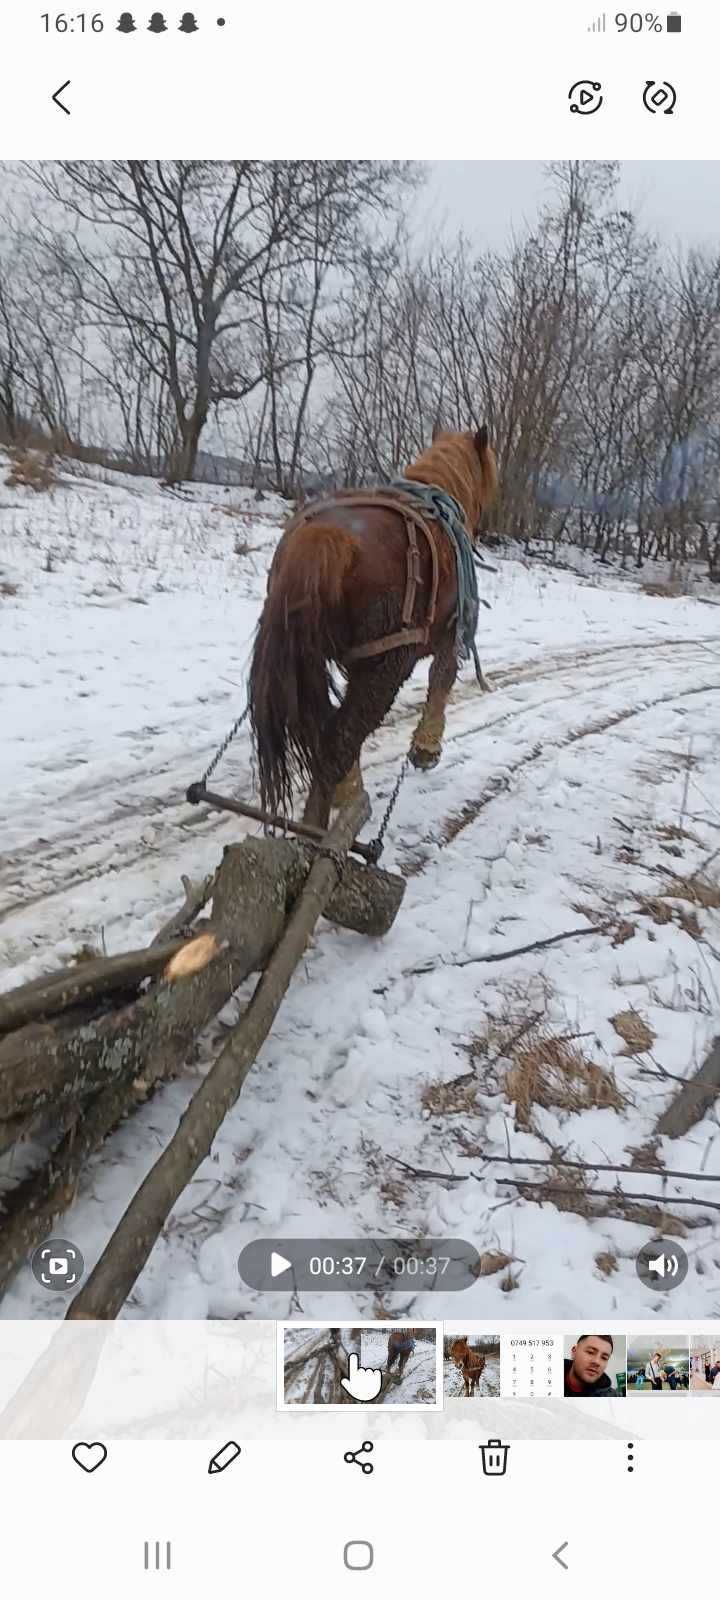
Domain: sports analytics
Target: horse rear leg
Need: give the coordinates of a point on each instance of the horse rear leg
(348, 788)
(371, 689)
(426, 747)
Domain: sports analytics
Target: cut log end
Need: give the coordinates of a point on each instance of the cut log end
(192, 958)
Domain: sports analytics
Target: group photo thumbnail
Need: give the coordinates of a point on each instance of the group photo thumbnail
(705, 1364)
(659, 1365)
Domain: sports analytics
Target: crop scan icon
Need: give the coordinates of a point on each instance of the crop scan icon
(127, 23)
(188, 24)
(157, 23)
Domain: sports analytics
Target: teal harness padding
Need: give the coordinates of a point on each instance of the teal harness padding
(445, 509)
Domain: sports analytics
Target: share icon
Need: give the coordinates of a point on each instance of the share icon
(354, 1455)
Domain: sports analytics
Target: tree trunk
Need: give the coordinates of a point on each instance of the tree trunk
(124, 1257)
(82, 1072)
(45, 1064)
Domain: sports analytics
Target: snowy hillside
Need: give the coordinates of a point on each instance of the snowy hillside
(579, 798)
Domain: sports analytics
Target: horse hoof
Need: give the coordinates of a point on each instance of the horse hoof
(424, 760)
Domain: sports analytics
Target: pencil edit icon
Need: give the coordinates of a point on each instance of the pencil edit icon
(225, 1457)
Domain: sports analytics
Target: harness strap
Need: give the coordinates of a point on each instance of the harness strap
(414, 519)
(392, 641)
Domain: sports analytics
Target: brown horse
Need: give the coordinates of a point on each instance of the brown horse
(471, 1362)
(339, 586)
(401, 1343)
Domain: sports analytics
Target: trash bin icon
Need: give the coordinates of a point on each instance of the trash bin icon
(494, 1458)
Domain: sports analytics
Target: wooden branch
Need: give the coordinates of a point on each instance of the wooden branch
(196, 896)
(596, 1166)
(694, 1099)
(505, 955)
(541, 1190)
(77, 985)
(125, 1255)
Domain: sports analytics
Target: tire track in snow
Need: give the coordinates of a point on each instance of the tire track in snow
(93, 846)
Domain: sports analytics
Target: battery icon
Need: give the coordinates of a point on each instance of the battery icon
(674, 22)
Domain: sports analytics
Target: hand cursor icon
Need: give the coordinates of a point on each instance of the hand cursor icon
(362, 1383)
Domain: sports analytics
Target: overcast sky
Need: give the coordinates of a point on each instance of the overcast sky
(680, 200)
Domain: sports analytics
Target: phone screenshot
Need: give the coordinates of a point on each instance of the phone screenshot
(360, 800)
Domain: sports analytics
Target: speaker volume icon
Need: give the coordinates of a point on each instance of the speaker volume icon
(662, 1262)
(665, 1266)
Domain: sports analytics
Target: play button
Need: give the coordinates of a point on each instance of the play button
(278, 1264)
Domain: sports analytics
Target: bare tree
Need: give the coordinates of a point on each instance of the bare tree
(180, 258)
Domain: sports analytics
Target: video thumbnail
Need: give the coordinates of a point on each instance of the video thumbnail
(659, 1366)
(471, 1365)
(380, 1365)
(595, 1366)
(705, 1364)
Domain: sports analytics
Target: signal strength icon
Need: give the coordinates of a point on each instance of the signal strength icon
(599, 25)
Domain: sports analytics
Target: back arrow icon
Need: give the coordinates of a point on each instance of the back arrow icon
(557, 1556)
(57, 94)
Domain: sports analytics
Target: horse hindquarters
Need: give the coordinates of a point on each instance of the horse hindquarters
(297, 639)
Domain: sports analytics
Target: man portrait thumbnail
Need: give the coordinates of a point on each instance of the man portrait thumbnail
(594, 1365)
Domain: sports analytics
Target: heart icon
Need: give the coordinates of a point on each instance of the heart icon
(89, 1456)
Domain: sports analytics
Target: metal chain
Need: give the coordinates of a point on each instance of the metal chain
(376, 845)
(217, 758)
(338, 858)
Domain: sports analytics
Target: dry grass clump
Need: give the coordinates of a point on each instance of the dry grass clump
(674, 831)
(451, 1099)
(634, 1030)
(31, 470)
(606, 1263)
(492, 1261)
(555, 1073)
(699, 891)
(656, 909)
(647, 1154)
(672, 590)
(607, 921)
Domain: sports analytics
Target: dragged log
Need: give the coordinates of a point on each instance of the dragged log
(43, 1064)
(366, 900)
(80, 1073)
(110, 1282)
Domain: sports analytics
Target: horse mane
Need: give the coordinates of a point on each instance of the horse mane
(464, 465)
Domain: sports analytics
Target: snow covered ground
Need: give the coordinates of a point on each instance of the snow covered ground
(583, 794)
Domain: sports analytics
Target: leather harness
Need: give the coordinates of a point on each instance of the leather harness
(414, 520)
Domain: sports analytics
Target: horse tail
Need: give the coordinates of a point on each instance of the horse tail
(290, 689)
(488, 463)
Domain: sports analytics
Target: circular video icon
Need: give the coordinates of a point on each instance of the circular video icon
(659, 97)
(57, 1264)
(585, 97)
